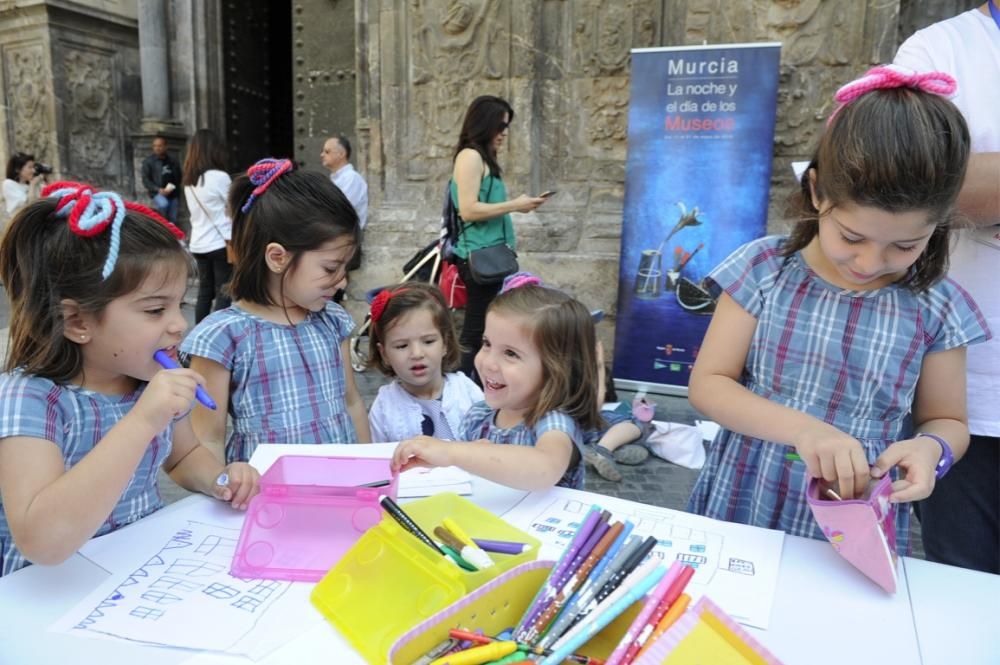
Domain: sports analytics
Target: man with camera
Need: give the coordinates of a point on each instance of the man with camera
(161, 176)
(24, 180)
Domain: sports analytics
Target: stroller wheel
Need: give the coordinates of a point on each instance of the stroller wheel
(359, 361)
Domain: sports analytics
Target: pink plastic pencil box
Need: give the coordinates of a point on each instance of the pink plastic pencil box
(310, 511)
(861, 530)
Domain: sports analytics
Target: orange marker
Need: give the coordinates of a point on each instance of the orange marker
(669, 619)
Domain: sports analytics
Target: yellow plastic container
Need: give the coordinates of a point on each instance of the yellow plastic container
(390, 581)
(495, 607)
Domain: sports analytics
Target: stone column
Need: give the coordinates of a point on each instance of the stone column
(152, 15)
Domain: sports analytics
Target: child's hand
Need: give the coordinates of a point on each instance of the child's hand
(918, 459)
(835, 457)
(169, 395)
(243, 485)
(421, 451)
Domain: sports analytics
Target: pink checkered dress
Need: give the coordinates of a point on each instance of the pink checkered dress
(849, 358)
(287, 383)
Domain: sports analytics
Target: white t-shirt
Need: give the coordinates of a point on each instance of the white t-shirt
(15, 195)
(209, 232)
(354, 188)
(968, 48)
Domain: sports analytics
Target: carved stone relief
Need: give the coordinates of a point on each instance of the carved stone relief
(26, 78)
(603, 33)
(454, 42)
(565, 66)
(92, 130)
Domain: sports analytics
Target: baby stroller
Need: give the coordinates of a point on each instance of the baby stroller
(430, 264)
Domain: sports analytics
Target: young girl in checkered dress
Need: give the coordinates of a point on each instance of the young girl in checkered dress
(277, 360)
(538, 365)
(87, 416)
(844, 343)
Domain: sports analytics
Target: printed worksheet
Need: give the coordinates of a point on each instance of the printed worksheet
(735, 565)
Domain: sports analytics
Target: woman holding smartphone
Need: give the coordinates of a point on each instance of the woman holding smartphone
(480, 197)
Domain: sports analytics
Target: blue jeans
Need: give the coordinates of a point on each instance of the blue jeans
(166, 207)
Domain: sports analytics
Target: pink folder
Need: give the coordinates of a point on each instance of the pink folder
(861, 530)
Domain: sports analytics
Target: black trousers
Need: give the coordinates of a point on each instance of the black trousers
(960, 520)
(213, 273)
(479, 298)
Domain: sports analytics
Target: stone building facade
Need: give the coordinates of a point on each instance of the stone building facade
(87, 82)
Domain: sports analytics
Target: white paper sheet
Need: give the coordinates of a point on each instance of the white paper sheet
(736, 565)
(181, 594)
(264, 456)
(428, 482)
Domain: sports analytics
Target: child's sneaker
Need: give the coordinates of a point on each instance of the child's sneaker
(642, 409)
(603, 462)
(632, 454)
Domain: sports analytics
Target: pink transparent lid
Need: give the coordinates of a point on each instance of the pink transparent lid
(309, 512)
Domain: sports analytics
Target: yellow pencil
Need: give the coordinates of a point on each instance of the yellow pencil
(478, 655)
(457, 531)
(672, 615)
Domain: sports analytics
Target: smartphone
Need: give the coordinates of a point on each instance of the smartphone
(547, 194)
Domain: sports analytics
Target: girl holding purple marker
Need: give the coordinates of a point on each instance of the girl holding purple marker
(87, 415)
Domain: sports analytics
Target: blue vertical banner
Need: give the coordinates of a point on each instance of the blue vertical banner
(697, 177)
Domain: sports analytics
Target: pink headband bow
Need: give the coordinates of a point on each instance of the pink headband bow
(518, 280)
(262, 174)
(889, 76)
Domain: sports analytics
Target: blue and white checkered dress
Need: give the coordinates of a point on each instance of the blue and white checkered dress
(849, 358)
(287, 383)
(75, 420)
(479, 423)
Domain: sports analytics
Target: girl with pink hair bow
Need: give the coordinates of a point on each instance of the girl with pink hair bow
(838, 352)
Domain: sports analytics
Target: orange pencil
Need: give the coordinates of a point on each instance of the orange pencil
(671, 617)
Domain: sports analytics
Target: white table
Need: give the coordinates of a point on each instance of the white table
(824, 610)
(956, 613)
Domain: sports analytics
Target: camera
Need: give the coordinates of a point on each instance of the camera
(42, 169)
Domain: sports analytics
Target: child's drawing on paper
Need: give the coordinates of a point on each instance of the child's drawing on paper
(184, 596)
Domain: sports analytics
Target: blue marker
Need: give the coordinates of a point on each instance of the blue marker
(169, 363)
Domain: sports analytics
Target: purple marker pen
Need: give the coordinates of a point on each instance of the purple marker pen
(169, 363)
(501, 546)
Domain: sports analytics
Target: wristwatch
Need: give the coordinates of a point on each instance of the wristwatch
(947, 457)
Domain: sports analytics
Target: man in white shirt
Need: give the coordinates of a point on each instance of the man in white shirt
(960, 520)
(336, 157)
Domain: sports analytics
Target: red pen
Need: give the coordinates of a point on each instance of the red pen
(669, 598)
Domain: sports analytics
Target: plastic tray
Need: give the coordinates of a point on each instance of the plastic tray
(308, 513)
(390, 581)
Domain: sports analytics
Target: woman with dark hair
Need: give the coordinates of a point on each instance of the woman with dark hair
(22, 183)
(206, 185)
(480, 198)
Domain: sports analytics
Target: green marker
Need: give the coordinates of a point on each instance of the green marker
(793, 457)
(457, 558)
